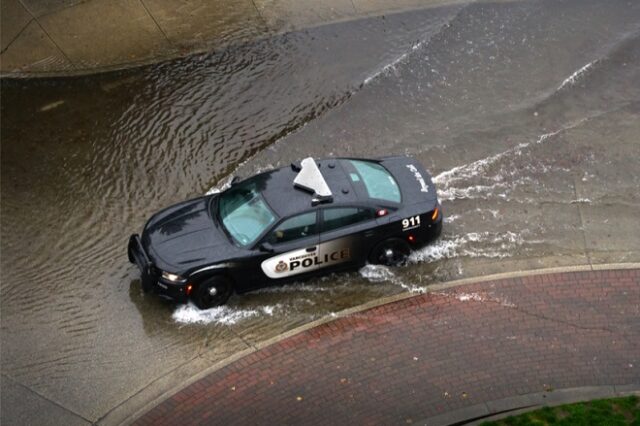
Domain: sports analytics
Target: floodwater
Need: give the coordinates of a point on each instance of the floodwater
(526, 113)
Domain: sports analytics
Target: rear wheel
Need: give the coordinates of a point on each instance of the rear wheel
(391, 252)
(212, 292)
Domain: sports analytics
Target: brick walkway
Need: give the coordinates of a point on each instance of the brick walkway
(431, 354)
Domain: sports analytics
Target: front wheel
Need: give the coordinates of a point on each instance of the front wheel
(212, 292)
(391, 252)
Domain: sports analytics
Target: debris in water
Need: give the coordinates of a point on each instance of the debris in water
(51, 106)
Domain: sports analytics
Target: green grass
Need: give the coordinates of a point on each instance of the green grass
(608, 412)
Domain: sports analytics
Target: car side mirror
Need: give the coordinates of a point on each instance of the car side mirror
(266, 247)
(234, 180)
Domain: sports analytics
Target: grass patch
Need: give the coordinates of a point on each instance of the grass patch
(609, 412)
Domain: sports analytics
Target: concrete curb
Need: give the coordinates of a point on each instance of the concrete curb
(515, 405)
(134, 407)
(265, 28)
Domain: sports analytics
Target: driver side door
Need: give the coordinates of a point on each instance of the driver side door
(295, 243)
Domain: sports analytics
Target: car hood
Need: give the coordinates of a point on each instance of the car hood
(185, 236)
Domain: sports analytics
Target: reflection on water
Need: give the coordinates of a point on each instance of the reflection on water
(522, 111)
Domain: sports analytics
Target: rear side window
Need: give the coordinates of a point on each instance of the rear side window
(301, 226)
(377, 180)
(344, 216)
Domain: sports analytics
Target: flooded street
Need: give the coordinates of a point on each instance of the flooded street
(526, 113)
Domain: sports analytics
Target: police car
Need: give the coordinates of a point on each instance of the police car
(315, 217)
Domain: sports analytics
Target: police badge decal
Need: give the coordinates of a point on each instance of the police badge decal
(281, 266)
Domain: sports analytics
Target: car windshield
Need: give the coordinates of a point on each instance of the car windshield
(244, 213)
(377, 180)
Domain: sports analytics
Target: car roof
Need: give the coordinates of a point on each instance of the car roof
(285, 199)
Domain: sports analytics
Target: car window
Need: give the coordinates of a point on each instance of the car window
(377, 180)
(339, 217)
(244, 213)
(301, 226)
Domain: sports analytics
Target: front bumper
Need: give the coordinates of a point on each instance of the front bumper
(150, 275)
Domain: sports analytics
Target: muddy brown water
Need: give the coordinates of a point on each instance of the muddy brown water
(526, 113)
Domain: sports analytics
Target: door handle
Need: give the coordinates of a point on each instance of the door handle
(311, 249)
(369, 233)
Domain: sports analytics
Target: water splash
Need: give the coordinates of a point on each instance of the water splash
(465, 297)
(380, 273)
(222, 315)
(480, 297)
(478, 167)
(392, 66)
(446, 181)
(571, 80)
(451, 218)
(473, 244)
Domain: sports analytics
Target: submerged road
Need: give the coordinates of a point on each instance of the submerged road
(526, 113)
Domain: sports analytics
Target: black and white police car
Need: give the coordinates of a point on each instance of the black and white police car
(288, 224)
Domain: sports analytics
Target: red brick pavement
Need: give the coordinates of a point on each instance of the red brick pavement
(431, 354)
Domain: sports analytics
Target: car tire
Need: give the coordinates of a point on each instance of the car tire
(391, 252)
(212, 292)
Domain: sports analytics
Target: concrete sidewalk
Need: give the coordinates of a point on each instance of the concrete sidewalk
(456, 354)
(57, 38)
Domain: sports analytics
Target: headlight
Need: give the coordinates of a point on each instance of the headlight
(172, 277)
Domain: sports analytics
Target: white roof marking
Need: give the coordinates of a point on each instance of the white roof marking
(311, 179)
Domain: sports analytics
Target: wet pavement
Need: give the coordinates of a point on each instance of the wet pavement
(443, 358)
(526, 113)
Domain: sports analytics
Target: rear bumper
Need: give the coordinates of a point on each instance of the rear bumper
(428, 232)
(436, 228)
(150, 276)
(432, 231)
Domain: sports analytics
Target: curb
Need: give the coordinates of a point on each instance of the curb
(511, 406)
(126, 413)
(212, 45)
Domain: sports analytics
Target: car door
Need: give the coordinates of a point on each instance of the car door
(293, 248)
(346, 236)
